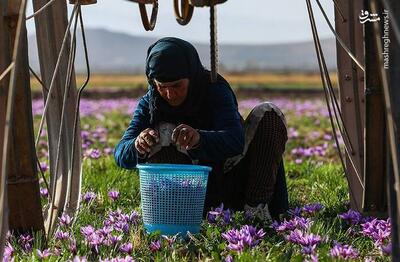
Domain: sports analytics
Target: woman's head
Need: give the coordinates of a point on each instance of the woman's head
(172, 65)
(178, 82)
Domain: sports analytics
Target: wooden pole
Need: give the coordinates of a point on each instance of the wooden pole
(390, 63)
(50, 28)
(351, 88)
(25, 211)
(375, 140)
(4, 63)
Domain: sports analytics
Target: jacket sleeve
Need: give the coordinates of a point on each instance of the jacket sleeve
(125, 153)
(227, 137)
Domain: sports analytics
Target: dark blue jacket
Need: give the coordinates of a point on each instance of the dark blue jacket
(221, 131)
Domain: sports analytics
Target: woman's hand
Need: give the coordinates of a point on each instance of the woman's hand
(185, 136)
(146, 140)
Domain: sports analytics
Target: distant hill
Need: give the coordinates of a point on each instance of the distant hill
(112, 52)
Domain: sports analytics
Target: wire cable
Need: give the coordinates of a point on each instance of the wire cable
(67, 86)
(38, 79)
(44, 7)
(213, 42)
(344, 46)
(46, 105)
(8, 70)
(325, 80)
(76, 115)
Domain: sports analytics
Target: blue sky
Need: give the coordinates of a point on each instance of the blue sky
(239, 21)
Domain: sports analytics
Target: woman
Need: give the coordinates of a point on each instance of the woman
(184, 118)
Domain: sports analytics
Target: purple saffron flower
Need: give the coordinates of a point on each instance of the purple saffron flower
(155, 245)
(89, 197)
(8, 250)
(61, 235)
(228, 258)
(292, 224)
(352, 217)
(72, 247)
(108, 151)
(25, 241)
(134, 218)
(312, 208)
(126, 248)
(64, 220)
(303, 239)
(296, 211)
(298, 161)
(44, 166)
(211, 218)
(246, 237)
(248, 215)
(43, 254)
(308, 250)
(114, 195)
(378, 230)
(122, 226)
(219, 214)
(94, 153)
(386, 249)
(106, 230)
(87, 231)
(56, 252)
(79, 259)
(344, 252)
(44, 192)
(170, 240)
(95, 240)
(114, 239)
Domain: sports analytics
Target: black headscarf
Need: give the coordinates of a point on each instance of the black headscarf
(170, 59)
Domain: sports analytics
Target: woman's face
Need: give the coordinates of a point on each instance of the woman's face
(173, 92)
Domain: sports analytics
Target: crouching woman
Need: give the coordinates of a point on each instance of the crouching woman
(185, 118)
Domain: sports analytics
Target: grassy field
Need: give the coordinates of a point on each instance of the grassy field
(242, 80)
(107, 226)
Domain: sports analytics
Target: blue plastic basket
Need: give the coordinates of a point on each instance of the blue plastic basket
(173, 197)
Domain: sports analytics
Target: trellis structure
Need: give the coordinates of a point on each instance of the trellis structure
(368, 118)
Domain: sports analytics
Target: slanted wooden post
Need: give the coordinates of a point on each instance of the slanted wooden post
(50, 28)
(391, 67)
(4, 63)
(375, 162)
(25, 211)
(351, 85)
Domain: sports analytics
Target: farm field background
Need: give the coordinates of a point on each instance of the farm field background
(108, 226)
(237, 80)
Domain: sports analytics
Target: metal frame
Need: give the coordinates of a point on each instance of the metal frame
(54, 68)
(351, 90)
(19, 182)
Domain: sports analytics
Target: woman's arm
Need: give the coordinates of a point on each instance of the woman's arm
(125, 153)
(227, 137)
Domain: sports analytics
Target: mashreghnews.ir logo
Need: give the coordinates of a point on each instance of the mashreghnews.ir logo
(366, 16)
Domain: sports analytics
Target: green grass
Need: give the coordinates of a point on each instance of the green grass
(318, 179)
(307, 183)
